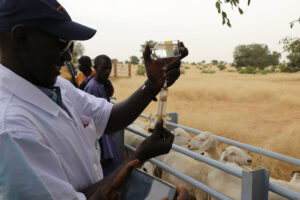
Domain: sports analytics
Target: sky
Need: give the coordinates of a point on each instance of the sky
(122, 26)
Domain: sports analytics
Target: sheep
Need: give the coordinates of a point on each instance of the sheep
(151, 169)
(236, 155)
(188, 166)
(132, 139)
(293, 184)
(295, 177)
(181, 136)
(227, 183)
(141, 124)
(205, 142)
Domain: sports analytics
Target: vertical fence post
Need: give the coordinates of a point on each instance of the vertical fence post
(129, 69)
(172, 117)
(255, 185)
(115, 68)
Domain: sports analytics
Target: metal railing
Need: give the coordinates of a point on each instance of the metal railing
(236, 172)
(257, 150)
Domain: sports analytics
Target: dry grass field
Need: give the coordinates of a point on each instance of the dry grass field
(260, 110)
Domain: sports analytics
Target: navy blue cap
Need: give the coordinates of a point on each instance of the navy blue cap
(47, 15)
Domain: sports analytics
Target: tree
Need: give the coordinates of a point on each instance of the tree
(114, 60)
(214, 62)
(77, 51)
(292, 46)
(233, 3)
(151, 43)
(256, 55)
(134, 60)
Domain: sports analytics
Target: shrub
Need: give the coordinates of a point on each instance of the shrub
(288, 68)
(273, 69)
(231, 70)
(208, 71)
(186, 67)
(182, 71)
(141, 70)
(248, 70)
(263, 71)
(221, 67)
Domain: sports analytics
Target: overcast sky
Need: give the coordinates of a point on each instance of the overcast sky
(123, 25)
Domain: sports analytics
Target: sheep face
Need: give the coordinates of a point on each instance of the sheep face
(181, 136)
(295, 176)
(202, 142)
(236, 155)
(149, 168)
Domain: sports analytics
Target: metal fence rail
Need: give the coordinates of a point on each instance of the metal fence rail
(257, 150)
(236, 172)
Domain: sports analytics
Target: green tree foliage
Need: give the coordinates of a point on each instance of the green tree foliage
(77, 51)
(256, 55)
(221, 67)
(141, 70)
(214, 62)
(292, 47)
(293, 22)
(114, 60)
(151, 43)
(134, 60)
(233, 3)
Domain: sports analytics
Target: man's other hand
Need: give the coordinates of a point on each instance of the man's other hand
(160, 142)
(111, 192)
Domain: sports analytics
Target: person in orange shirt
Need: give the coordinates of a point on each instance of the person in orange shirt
(68, 70)
(85, 68)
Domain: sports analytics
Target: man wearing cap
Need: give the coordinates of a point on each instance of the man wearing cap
(48, 128)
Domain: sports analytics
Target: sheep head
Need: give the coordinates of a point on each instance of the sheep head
(181, 136)
(149, 168)
(203, 142)
(236, 155)
(295, 176)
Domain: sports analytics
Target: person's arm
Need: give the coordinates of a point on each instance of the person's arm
(125, 112)
(29, 169)
(152, 146)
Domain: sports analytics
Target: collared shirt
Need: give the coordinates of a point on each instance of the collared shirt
(45, 153)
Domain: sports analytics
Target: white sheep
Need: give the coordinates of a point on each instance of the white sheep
(188, 166)
(293, 184)
(149, 168)
(205, 142)
(181, 136)
(132, 139)
(141, 124)
(236, 155)
(225, 182)
(295, 177)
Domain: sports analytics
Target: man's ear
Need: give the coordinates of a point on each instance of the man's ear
(19, 36)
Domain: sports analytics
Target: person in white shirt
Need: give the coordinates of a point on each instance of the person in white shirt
(48, 128)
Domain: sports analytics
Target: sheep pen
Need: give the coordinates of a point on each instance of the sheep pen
(259, 110)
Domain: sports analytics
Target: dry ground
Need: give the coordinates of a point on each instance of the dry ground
(261, 110)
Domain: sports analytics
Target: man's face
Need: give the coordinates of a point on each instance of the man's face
(104, 71)
(43, 57)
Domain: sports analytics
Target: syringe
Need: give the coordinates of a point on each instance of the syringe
(161, 113)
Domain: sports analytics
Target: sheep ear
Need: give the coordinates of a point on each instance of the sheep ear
(223, 157)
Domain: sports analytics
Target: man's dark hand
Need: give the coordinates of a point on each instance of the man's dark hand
(160, 142)
(160, 69)
(183, 194)
(111, 192)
